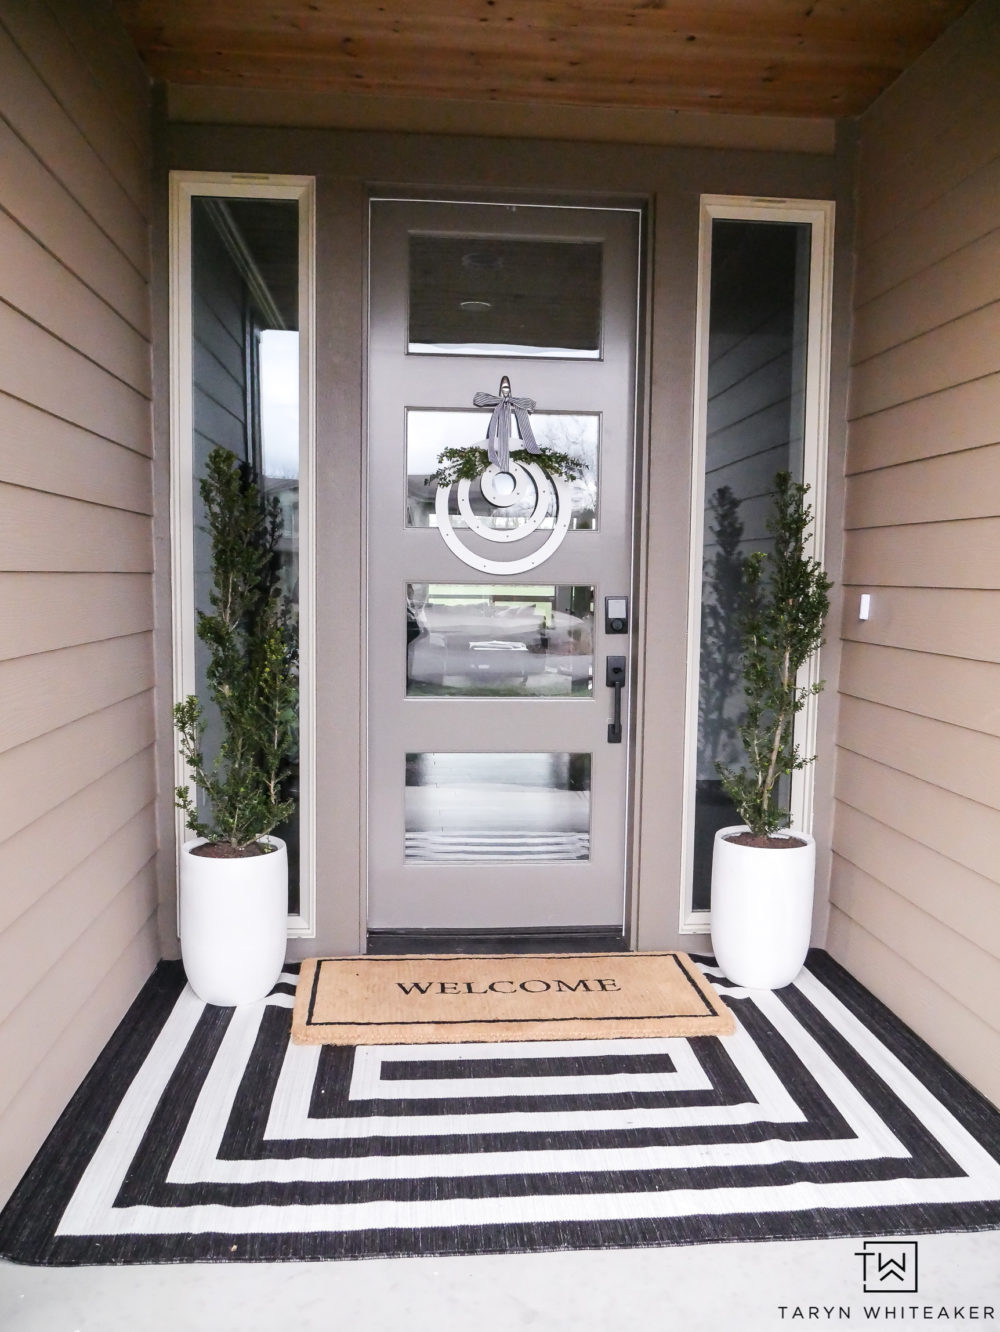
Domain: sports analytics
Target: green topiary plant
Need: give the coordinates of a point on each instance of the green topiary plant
(781, 626)
(252, 669)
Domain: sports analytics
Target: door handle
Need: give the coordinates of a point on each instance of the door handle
(615, 679)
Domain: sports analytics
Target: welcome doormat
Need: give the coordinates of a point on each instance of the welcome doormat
(419, 1000)
(207, 1134)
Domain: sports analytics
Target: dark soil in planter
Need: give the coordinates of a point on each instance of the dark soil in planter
(767, 843)
(224, 851)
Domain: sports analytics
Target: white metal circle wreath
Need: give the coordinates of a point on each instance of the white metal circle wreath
(528, 478)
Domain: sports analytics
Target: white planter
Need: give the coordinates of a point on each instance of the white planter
(234, 920)
(762, 902)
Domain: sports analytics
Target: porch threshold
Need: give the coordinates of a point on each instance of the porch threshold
(497, 941)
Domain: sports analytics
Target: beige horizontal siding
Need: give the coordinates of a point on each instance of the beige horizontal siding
(41, 452)
(946, 689)
(51, 374)
(915, 882)
(896, 863)
(934, 128)
(42, 692)
(948, 621)
(960, 829)
(39, 776)
(951, 554)
(962, 968)
(963, 281)
(44, 290)
(27, 1034)
(82, 93)
(36, 115)
(51, 532)
(965, 1039)
(950, 421)
(954, 487)
(77, 830)
(960, 351)
(39, 937)
(941, 228)
(104, 48)
(79, 608)
(963, 762)
(71, 830)
(70, 1055)
(49, 212)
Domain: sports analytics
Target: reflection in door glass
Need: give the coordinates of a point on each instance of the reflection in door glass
(479, 639)
(428, 432)
(491, 296)
(497, 807)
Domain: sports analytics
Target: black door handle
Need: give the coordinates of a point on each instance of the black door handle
(615, 679)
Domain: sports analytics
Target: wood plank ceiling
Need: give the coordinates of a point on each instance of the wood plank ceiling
(822, 58)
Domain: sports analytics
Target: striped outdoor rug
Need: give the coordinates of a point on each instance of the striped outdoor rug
(205, 1134)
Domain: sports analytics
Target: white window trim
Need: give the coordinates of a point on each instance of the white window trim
(820, 215)
(184, 186)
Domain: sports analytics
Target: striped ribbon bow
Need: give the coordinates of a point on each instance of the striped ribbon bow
(498, 432)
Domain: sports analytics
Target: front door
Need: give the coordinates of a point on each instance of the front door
(499, 592)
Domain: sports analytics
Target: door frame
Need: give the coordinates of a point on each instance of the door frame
(638, 563)
(820, 215)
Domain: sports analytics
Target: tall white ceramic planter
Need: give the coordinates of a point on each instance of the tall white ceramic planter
(234, 919)
(762, 901)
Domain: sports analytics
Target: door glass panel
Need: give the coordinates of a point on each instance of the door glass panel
(758, 319)
(491, 296)
(474, 807)
(245, 394)
(429, 432)
(473, 639)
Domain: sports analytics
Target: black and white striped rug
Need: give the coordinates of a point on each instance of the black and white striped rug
(204, 1134)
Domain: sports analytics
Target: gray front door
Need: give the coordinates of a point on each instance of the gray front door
(497, 795)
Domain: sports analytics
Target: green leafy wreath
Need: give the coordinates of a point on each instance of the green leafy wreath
(469, 463)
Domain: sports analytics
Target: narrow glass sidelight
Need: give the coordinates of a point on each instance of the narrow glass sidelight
(241, 332)
(762, 407)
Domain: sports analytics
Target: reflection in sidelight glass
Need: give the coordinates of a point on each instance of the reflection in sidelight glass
(428, 432)
(470, 639)
(245, 383)
(492, 296)
(497, 807)
(758, 321)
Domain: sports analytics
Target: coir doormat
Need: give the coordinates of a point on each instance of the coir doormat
(206, 1134)
(421, 1000)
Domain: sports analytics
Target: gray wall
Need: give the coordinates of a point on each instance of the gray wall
(672, 180)
(78, 814)
(916, 879)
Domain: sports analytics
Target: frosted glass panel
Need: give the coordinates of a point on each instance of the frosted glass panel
(497, 807)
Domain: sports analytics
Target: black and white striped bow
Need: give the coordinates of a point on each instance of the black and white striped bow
(498, 431)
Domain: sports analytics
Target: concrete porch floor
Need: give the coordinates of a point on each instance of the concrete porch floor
(704, 1288)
